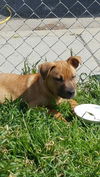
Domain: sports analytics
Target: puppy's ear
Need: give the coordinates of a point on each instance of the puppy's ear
(46, 68)
(74, 61)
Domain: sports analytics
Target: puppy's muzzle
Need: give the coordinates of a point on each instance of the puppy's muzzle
(66, 93)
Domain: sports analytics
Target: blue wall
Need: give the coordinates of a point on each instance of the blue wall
(51, 8)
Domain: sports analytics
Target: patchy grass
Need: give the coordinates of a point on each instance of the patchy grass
(35, 144)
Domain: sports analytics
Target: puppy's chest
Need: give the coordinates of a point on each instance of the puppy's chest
(40, 100)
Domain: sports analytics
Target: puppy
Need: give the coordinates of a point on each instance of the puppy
(56, 80)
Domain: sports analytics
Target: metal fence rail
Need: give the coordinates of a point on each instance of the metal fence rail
(39, 32)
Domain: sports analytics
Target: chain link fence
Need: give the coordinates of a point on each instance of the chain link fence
(36, 31)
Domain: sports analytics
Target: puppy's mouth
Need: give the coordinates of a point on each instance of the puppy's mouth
(66, 94)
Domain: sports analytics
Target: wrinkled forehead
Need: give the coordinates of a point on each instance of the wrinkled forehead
(65, 69)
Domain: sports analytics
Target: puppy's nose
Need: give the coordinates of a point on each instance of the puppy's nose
(70, 93)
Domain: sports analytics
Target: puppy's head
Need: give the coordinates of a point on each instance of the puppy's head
(59, 76)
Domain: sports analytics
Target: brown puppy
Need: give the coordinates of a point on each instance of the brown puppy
(56, 80)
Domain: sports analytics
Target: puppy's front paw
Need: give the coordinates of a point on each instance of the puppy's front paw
(72, 103)
(57, 115)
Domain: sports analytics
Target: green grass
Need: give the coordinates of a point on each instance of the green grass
(35, 144)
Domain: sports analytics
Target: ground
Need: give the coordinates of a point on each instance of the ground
(49, 39)
(35, 144)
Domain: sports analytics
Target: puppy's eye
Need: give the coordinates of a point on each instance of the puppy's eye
(59, 79)
(73, 77)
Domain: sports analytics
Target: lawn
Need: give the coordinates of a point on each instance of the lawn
(35, 144)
